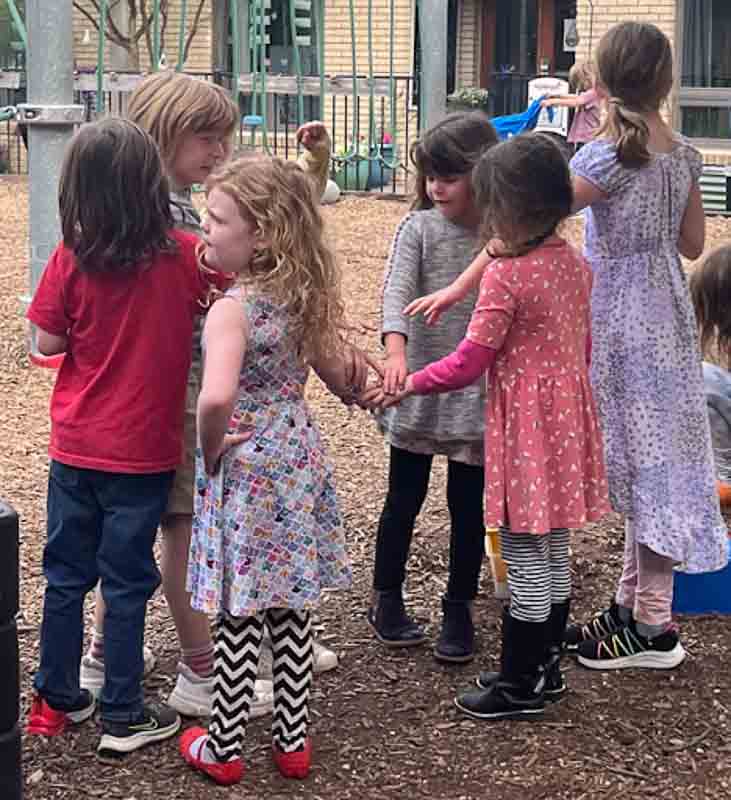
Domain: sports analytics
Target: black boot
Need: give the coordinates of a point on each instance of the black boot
(555, 682)
(557, 621)
(456, 643)
(519, 691)
(390, 622)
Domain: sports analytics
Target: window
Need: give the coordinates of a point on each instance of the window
(705, 80)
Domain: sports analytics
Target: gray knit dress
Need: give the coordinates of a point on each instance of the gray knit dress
(427, 254)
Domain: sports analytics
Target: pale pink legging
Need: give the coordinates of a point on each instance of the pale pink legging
(646, 585)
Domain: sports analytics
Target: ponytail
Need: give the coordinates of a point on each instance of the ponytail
(628, 128)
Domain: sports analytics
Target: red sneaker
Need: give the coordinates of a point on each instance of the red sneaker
(293, 765)
(226, 773)
(46, 721)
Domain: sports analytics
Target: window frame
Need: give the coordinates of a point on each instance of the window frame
(695, 96)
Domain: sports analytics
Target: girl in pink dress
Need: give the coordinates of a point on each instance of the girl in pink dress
(543, 450)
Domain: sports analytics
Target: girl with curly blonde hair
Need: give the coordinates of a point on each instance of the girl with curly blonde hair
(267, 532)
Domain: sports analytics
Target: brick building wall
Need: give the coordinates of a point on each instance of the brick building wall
(663, 13)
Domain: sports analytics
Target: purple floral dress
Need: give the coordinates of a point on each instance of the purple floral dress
(267, 531)
(646, 364)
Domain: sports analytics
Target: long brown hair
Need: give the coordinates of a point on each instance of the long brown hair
(296, 268)
(635, 67)
(710, 290)
(451, 147)
(523, 189)
(114, 197)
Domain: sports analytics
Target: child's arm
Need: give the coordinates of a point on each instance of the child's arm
(585, 194)
(432, 306)
(315, 160)
(565, 101)
(225, 335)
(50, 344)
(693, 227)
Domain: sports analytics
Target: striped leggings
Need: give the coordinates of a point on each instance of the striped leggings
(238, 643)
(538, 572)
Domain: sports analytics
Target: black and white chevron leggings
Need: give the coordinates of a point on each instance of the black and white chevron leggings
(538, 572)
(238, 642)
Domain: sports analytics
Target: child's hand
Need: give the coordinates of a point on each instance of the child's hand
(433, 305)
(394, 372)
(312, 135)
(386, 401)
(212, 461)
(356, 369)
(371, 397)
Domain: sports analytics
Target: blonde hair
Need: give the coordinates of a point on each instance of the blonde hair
(582, 76)
(635, 67)
(169, 105)
(295, 268)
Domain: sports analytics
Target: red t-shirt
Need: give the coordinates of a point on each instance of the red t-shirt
(118, 402)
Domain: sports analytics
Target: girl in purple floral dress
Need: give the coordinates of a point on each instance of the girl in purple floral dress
(639, 181)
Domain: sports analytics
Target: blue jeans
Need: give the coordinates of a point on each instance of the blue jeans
(101, 525)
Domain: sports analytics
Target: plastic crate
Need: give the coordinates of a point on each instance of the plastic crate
(707, 593)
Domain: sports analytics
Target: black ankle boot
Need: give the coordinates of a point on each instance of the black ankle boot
(519, 691)
(456, 643)
(390, 622)
(555, 681)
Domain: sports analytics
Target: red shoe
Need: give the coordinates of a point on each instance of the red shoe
(46, 721)
(226, 773)
(293, 765)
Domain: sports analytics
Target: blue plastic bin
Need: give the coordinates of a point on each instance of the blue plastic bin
(708, 593)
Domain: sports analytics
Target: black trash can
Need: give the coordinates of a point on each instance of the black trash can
(10, 772)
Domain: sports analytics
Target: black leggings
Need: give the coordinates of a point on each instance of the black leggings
(408, 481)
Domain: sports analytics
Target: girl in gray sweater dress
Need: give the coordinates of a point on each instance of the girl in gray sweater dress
(432, 246)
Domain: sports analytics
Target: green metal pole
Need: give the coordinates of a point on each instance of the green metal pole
(101, 47)
(181, 35)
(18, 23)
(156, 35)
(297, 61)
(371, 88)
(320, 30)
(236, 44)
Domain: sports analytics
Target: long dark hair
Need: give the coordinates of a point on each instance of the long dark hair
(710, 290)
(449, 148)
(523, 190)
(114, 197)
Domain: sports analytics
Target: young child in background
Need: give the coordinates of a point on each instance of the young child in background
(193, 123)
(585, 101)
(267, 534)
(543, 450)
(120, 302)
(710, 290)
(432, 245)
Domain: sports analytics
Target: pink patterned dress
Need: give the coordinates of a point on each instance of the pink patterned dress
(544, 466)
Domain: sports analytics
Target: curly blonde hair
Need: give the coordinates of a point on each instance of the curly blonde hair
(582, 76)
(169, 105)
(635, 67)
(296, 268)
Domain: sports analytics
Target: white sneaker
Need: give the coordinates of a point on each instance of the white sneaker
(323, 659)
(193, 695)
(91, 674)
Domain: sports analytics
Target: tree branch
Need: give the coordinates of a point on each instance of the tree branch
(193, 29)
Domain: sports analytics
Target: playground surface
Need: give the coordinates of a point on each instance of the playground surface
(383, 724)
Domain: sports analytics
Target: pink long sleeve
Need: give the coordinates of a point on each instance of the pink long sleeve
(455, 371)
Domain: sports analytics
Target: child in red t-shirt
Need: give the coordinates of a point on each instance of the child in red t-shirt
(119, 297)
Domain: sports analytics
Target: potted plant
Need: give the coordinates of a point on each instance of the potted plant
(385, 153)
(468, 98)
(353, 167)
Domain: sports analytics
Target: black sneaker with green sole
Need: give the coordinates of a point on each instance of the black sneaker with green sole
(157, 722)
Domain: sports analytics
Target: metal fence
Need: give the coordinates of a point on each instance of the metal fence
(387, 167)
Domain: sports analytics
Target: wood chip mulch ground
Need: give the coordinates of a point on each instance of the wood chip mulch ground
(383, 724)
